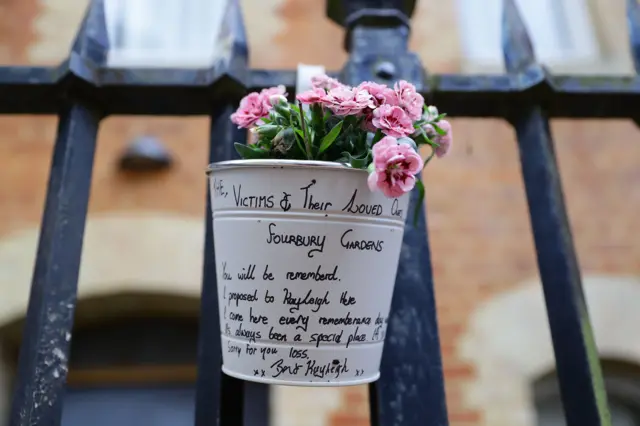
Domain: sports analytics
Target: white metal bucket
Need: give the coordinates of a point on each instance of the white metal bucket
(306, 259)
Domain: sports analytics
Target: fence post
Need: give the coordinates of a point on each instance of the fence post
(578, 365)
(220, 399)
(46, 337)
(410, 391)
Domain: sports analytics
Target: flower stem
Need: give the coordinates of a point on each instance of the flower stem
(433, 153)
(307, 143)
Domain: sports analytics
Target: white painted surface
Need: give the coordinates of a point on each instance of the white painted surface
(304, 283)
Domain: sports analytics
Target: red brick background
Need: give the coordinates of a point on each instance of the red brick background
(480, 234)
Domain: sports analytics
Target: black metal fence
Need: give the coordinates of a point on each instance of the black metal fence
(83, 90)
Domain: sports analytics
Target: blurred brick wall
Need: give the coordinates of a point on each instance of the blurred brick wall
(478, 219)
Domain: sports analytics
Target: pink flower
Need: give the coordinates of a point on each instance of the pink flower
(252, 110)
(393, 121)
(347, 100)
(255, 106)
(312, 96)
(406, 96)
(395, 166)
(324, 82)
(267, 95)
(444, 141)
(380, 93)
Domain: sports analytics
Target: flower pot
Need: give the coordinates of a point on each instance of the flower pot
(306, 261)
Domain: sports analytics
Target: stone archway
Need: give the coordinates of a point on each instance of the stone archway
(509, 343)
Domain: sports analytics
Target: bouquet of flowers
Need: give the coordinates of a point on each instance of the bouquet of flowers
(370, 126)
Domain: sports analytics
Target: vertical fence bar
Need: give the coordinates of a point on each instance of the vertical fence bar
(256, 411)
(410, 391)
(237, 402)
(578, 366)
(208, 394)
(220, 399)
(46, 336)
(411, 388)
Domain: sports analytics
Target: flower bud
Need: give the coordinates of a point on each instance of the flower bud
(371, 167)
(431, 113)
(283, 141)
(268, 130)
(283, 109)
(277, 99)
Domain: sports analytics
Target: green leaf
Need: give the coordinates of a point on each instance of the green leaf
(299, 132)
(379, 135)
(439, 130)
(357, 162)
(295, 108)
(283, 109)
(263, 143)
(426, 139)
(305, 134)
(330, 138)
(419, 201)
(249, 152)
(280, 120)
(317, 118)
(300, 142)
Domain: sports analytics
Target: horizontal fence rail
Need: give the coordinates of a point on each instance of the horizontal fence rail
(83, 90)
(190, 92)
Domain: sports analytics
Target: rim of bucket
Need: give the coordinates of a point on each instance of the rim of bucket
(275, 163)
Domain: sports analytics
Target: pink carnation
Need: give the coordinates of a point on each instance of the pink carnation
(312, 96)
(406, 96)
(393, 121)
(266, 94)
(325, 82)
(252, 110)
(380, 93)
(256, 106)
(395, 167)
(444, 141)
(347, 100)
